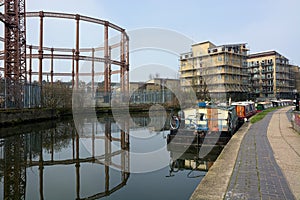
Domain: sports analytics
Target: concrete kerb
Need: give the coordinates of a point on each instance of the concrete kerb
(215, 183)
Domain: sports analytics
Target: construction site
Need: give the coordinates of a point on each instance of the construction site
(216, 72)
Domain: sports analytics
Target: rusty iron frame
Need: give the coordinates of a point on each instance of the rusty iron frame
(14, 57)
(76, 57)
(42, 52)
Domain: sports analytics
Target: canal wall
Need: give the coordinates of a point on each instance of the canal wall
(296, 121)
(214, 184)
(13, 117)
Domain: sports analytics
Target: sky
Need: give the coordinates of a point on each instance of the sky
(262, 24)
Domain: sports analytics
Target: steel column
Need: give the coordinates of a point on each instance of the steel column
(73, 68)
(106, 54)
(93, 71)
(77, 18)
(51, 66)
(127, 66)
(41, 47)
(122, 60)
(30, 64)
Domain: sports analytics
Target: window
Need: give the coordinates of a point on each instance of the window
(270, 68)
(270, 82)
(219, 58)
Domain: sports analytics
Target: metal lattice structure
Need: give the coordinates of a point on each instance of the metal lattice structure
(14, 54)
(15, 168)
(14, 50)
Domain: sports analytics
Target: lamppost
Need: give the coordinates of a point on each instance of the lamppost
(296, 96)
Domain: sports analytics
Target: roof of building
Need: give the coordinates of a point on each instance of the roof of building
(231, 45)
(204, 43)
(264, 53)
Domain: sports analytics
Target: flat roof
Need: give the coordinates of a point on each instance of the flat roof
(203, 43)
(264, 53)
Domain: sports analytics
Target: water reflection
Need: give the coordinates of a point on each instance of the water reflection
(191, 159)
(27, 160)
(55, 160)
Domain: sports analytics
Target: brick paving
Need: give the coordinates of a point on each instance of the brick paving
(256, 174)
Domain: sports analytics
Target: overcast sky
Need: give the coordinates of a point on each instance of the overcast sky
(263, 24)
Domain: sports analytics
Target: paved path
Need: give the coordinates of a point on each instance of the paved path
(256, 174)
(260, 162)
(285, 143)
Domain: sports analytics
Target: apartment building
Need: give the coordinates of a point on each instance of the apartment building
(215, 72)
(271, 75)
(297, 77)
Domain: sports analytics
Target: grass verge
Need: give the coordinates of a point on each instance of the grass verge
(261, 115)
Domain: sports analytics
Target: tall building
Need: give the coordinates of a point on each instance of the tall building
(215, 72)
(297, 78)
(271, 75)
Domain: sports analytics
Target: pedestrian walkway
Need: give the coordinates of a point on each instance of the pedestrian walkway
(285, 143)
(256, 174)
(260, 162)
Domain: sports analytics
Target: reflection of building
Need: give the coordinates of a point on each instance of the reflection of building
(271, 75)
(60, 149)
(217, 70)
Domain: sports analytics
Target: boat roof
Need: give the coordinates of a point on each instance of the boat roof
(242, 103)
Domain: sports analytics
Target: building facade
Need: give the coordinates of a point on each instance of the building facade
(271, 75)
(297, 78)
(216, 72)
(157, 90)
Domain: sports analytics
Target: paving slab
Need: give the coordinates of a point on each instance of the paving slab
(285, 143)
(261, 161)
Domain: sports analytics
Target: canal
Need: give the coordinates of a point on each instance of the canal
(100, 159)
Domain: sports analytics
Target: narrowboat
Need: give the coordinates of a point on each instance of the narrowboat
(206, 118)
(260, 106)
(244, 109)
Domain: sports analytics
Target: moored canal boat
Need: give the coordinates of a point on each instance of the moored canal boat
(192, 125)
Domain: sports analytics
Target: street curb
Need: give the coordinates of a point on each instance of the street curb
(214, 185)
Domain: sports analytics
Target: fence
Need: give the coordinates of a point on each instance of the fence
(31, 96)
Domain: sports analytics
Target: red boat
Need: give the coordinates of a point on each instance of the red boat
(244, 109)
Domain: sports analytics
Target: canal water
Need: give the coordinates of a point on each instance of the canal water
(96, 160)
